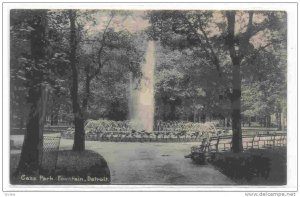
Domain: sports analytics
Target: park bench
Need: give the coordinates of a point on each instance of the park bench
(219, 143)
(200, 153)
(212, 145)
(265, 141)
(248, 141)
(280, 139)
(224, 143)
(216, 144)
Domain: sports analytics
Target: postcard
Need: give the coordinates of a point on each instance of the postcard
(188, 97)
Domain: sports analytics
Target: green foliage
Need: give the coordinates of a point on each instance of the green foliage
(197, 67)
(264, 88)
(187, 76)
(107, 57)
(182, 76)
(111, 62)
(31, 68)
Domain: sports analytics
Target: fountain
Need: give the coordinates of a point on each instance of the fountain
(142, 98)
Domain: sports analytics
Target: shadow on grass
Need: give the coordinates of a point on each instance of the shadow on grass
(254, 167)
(79, 168)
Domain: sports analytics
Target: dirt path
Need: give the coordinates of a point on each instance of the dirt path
(153, 163)
(150, 163)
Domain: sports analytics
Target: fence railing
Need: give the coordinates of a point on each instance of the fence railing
(224, 143)
(222, 139)
(50, 153)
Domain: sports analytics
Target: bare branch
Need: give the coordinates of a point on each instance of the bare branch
(104, 35)
(230, 38)
(250, 25)
(102, 45)
(254, 55)
(97, 71)
(215, 59)
(251, 31)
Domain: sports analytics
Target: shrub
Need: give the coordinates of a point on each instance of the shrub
(253, 166)
(245, 165)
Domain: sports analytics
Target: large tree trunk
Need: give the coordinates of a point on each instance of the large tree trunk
(30, 160)
(237, 144)
(87, 92)
(79, 137)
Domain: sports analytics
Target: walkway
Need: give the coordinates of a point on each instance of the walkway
(153, 163)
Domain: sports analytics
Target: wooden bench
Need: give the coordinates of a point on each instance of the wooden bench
(248, 141)
(219, 143)
(266, 141)
(225, 143)
(280, 139)
(216, 144)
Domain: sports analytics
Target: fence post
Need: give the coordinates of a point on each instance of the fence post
(274, 136)
(217, 145)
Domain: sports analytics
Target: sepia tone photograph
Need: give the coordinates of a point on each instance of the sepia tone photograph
(148, 97)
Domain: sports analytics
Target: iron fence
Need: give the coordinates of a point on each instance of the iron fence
(50, 152)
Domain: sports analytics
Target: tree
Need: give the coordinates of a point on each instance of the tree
(120, 60)
(265, 87)
(35, 71)
(91, 54)
(183, 85)
(236, 57)
(220, 36)
(35, 75)
(79, 141)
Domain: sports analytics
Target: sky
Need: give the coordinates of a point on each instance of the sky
(132, 21)
(135, 21)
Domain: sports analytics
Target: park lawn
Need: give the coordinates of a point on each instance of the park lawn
(254, 166)
(86, 167)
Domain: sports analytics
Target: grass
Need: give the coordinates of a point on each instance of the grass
(254, 166)
(85, 167)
